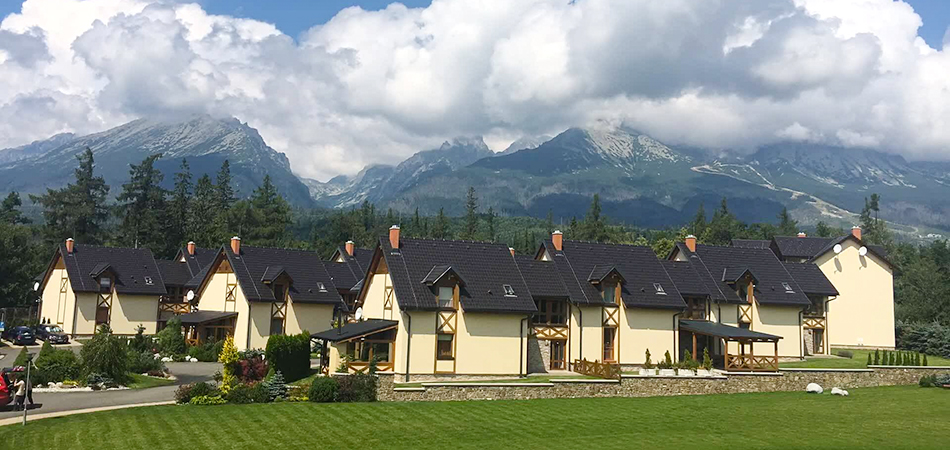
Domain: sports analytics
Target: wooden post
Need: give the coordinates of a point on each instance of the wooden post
(775, 366)
(694, 346)
(725, 354)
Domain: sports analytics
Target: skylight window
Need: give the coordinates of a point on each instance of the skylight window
(321, 287)
(148, 281)
(509, 291)
(659, 289)
(788, 288)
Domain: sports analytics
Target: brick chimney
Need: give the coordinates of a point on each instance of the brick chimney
(856, 231)
(512, 250)
(691, 243)
(350, 247)
(802, 234)
(558, 238)
(191, 248)
(69, 245)
(394, 236)
(236, 245)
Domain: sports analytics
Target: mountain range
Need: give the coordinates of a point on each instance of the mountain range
(640, 180)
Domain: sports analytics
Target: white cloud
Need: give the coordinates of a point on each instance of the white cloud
(375, 86)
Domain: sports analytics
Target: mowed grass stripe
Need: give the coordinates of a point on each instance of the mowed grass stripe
(891, 417)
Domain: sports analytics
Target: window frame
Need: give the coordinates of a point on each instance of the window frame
(439, 350)
(453, 303)
(614, 287)
(547, 312)
(612, 333)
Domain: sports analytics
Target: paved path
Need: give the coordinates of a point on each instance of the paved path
(74, 401)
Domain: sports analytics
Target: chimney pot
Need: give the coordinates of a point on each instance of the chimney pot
(191, 248)
(236, 245)
(802, 234)
(512, 250)
(394, 236)
(691, 243)
(350, 247)
(856, 231)
(70, 244)
(558, 238)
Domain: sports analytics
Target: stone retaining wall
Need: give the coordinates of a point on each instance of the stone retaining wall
(653, 386)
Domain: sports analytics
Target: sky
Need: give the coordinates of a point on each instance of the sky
(337, 85)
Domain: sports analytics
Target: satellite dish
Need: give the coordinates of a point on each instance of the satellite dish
(36, 286)
(837, 248)
(359, 313)
(863, 250)
(190, 295)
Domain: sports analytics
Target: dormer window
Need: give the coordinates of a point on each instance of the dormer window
(509, 291)
(610, 293)
(279, 292)
(659, 289)
(105, 284)
(446, 297)
(788, 288)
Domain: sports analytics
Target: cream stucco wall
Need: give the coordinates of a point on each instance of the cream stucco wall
(56, 308)
(312, 318)
(863, 313)
(642, 329)
(779, 321)
(491, 344)
(212, 297)
(130, 311)
(588, 343)
(83, 317)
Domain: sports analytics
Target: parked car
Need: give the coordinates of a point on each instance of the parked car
(53, 334)
(21, 335)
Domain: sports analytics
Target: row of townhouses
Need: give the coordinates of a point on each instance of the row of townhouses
(423, 308)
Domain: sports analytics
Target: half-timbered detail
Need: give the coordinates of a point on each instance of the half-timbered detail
(820, 292)
(104, 300)
(357, 344)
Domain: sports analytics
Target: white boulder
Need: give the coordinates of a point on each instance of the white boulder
(166, 359)
(839, 391)
(814, 388)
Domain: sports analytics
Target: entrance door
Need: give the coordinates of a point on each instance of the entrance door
(818, 342)
(558, 355)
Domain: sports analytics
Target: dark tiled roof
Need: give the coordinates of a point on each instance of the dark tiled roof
(712, 283)
(202, 258)
(304, 268)
(726, 331)
(135, 269)
(800, 247)
(687, 281)
(438, 272)
(175, 274)
(356, 267)
(769, 272)
(485, 267)
(751, 243)
(638, 266)
(202, 317)
(355, 329)
(342, 274)
(541, 277)
(811, 279)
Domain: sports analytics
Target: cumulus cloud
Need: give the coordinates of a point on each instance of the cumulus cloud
(376, 86)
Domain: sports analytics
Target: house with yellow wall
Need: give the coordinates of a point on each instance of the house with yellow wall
(85, 286)
(433, 308)
(254, 292)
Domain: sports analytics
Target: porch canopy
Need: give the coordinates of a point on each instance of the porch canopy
(202, 326)
(204, 317)
(743, 337)
(355, 330)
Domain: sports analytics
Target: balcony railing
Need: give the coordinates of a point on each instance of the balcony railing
(543, 331)
(815, 322)
(752, 363)
(597, 369)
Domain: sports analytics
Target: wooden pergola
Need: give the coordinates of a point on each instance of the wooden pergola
(742, 361)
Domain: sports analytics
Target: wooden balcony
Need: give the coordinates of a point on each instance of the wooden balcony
(814, 322)
(543, 331)
(597, 369)
(752, 363)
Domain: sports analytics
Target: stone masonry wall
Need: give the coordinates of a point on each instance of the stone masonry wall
(539, 355)
(653, 386)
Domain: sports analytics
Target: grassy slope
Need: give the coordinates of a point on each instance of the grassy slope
(891, 417)
(859, 361)
(140, 381)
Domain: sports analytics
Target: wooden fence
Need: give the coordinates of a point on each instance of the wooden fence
(597, 369)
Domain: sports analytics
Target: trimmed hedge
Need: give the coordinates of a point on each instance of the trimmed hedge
(324, 390)
(358, 387)
(55, 365)
(290, 355)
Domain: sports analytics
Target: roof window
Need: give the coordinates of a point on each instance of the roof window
(148, 281)
(788, 288)
(321, 287)
(659, 289)
(509, 291)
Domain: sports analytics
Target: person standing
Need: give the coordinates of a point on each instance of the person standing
(20, 395)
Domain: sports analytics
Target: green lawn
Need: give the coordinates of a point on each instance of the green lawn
(140, 381)
(859, 361)
(890, 417)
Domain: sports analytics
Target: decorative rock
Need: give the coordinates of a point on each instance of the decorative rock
(166, 359)
(814, 388)
(839, 391)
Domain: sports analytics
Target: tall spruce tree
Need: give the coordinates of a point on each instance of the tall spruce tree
(272, 217)
(471, 215)
(786, 225)
(823, 230)
(202, 214)
(224, 200)
(873, 228)
(698, 226)
(142, 208)
(79, 210)
(491, 224)
(594, 227)
(180, 205)
(441, 228)
(10, 210)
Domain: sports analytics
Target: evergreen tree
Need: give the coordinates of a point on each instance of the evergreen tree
(573, 229)
(142, 207)
(21, 258)
(368, 215)
(271, 216)
(549, 222)
(723, 228)
(877, 357)
(79, 210)
(471, 215)
(441, 228)
(594, 227)
(823, 230)
(180, 206)
(224, 200)
(201, 215)
(491, 224)
(10, 210)
(873, 229)
(698, 226)
(869, 360)
(416, 228)
(786, 225)
(925, 360)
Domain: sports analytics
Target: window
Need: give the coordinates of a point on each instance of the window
(509, 291)
(659, 289)
(551, 312)
(816, 308)
(102, 315)
(444, 346)
(105, 284)
(279, 292)
(321, 287)
(446, 297)
(788, 288)
(744, 292)
(610, 336)
(148, 281)
(276, 325)
(610, 293)
(696, 309)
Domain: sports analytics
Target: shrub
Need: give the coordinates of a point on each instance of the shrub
(100, 381)
(106, 354)
(251, 370)
(53, 365)
(228, 358)
(647, 364)
(242, 393)
(290, 355)
(207, 400)
(20, 360)
(324, 389)
(276, 386)
(927, 381)
(707, 361)
(144, 362)
(846, 354)
(206, 352)
(942, 380)
(140, 342)
(877, 357)
(667, 362)
(925, 359)
(170, 340)
(358, 387)
(927, 338)
(186, 392)
(870, 362)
